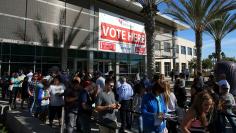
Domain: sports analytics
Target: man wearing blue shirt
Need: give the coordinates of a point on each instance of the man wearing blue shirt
(125, 93)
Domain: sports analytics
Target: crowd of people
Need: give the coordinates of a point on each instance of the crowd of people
(149, 105)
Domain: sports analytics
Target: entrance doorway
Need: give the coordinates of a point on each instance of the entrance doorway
(103, 66)
(80, 65)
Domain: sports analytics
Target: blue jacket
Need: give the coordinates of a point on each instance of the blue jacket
(149, 110)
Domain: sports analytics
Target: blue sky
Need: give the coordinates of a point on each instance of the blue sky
(228, 44)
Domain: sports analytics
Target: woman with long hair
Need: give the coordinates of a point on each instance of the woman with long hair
(196, 118)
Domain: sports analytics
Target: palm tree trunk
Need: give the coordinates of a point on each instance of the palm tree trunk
(198, 35)
(150, 32)
(218, 49)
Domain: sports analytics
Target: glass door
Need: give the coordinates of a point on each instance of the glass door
(103, 66)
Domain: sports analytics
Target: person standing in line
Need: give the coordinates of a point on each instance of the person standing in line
(226, 102)
(24, 92)
(33, 90)
(171, 104)
(56, 91)
(172, 75)
(125, 93)
(137, 100)
(21, 79)
(106, 105)
(176, 73)
(30, 75)
(5, 85)
(85, 109)
(153, 110)
(195, 120)
(100, 82)
(71, 106)
(223, 81)
(187, 73)
(43, 99)
(16, 86)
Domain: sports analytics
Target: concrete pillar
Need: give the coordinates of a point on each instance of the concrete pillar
(117, 70)
(91, 37)
(145, 64)
(174, 47)
(90, 61)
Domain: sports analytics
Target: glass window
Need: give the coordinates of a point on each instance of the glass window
(167, 68)
(166, 47)
(157, 45)
(177, 48)
(183, 50)
(190, 51)
(158, 67)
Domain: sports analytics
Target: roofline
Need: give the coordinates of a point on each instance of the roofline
(136, 7)
(171, 22)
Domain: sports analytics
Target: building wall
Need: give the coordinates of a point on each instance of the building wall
(28, 29)
(27, 36)
(165, 59)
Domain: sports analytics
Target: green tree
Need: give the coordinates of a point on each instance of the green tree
(233, 59)
(198, 14)
(219, 29)
(149, 11)
(207, 64)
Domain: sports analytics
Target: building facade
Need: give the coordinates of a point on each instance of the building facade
(185, 51)
(101, 35)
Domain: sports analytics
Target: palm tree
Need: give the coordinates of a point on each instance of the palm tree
(149, 11)
(222, 55)
(198, 14)
(219, 29)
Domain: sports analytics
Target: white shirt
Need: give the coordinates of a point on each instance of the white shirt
(44, 101)
(21, 78)
(172, 104)
(29, 75)
(55, 92)
(100, 82)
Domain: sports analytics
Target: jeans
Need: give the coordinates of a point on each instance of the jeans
(125, 114)
(70, 119)
(13, 94)
(138, 123)
(85, 121)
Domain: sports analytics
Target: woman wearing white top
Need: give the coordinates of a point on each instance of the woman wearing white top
(56, 91)
(171, 103)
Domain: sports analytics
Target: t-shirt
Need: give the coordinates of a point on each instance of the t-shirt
(172, 103)
(72, 93)
(100, 82)
(56, 98)
(84, 97)
(229, 100)
(104, 99)
(42, 94)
